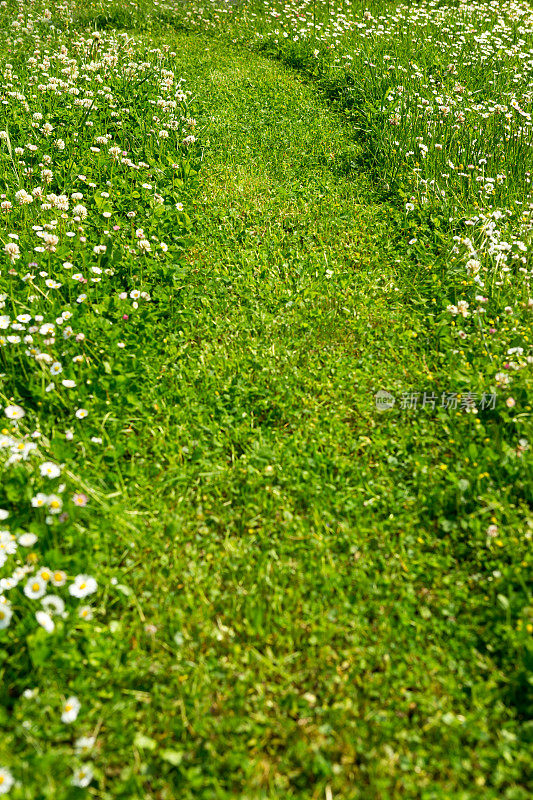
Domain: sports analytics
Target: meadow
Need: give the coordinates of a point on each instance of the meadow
(266, 342)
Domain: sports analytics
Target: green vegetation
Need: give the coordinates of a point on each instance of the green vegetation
(298, 594)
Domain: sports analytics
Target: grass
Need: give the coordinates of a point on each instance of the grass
(299, 596)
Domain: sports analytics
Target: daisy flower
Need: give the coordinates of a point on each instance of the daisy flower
(71, 709)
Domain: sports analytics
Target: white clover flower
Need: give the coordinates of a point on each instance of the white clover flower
(80, 211)
(13, 251)
(71, 709)
(83, 585)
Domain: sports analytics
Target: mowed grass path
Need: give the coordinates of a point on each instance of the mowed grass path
(307, 629)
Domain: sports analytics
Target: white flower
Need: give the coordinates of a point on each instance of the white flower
(53, 604)
(5, 618)
(39, 500)
(45, 621)
(83, 585)
(68, 384)
(50, 470)
(81, 413)
(82, 776)
(13, 251)
(27, 539)
(6, 780)
(54, 503)
(85, 612)
(84, 744)
(3, 514)
(8, 543)
(14, 412)
(59, 578)
(71, 709)
(35, 588)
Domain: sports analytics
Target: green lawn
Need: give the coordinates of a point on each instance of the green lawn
(299, 595)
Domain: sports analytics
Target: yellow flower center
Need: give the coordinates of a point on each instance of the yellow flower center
(35, 587)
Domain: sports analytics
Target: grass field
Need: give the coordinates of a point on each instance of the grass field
(266, 387)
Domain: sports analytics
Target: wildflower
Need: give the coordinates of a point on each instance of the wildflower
(45, 621)
(5, 615)
(14, 412)
(81, 413)
(59, 578)
(510, 402)
(27, 539)
(85, 612)
(80, 211)
(35, 588)
(55, 504)
(49, 470)
(13, 251)
(53, 604)
(82, 776)
(83, 585)
(80, 499)
(71, 709)
(84, 744)
(6, 780)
